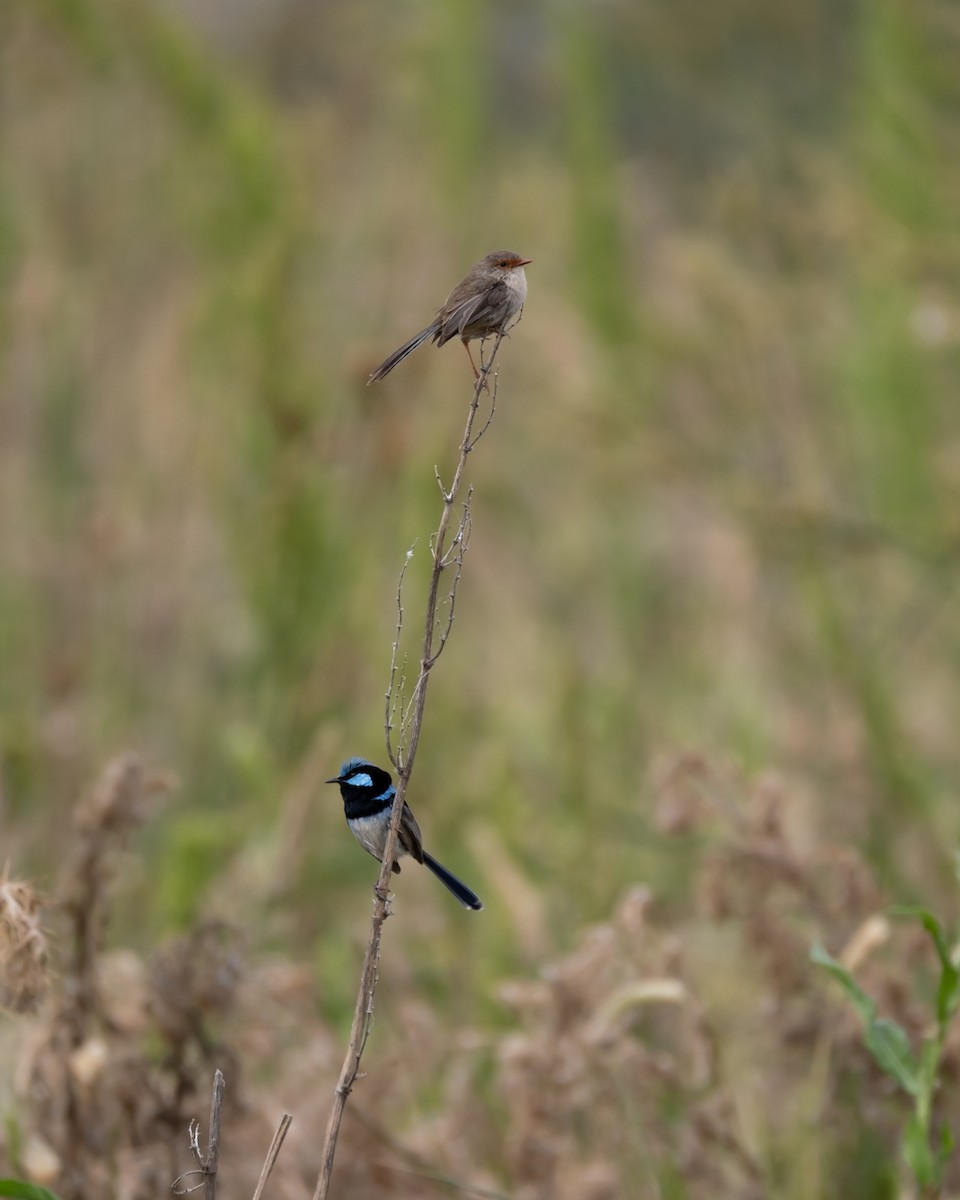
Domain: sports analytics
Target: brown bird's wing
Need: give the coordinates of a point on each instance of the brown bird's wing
(458, 314)
(410, 838)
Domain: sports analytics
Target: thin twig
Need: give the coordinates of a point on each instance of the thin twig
(406, 749)
(272, 1154)
(394, 695)
(484, 370)
(402, 754)
(454, 557)
(208, 1162)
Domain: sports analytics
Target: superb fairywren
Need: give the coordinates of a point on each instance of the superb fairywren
(368, 794)
(489, 300)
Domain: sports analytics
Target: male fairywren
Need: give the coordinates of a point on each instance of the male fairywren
(368, 794)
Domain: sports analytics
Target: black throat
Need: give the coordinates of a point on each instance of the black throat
(357, 802)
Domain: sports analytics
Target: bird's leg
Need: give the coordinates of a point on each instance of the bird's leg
(473, 366)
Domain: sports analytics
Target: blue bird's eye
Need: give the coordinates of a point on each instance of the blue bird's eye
(360, 780)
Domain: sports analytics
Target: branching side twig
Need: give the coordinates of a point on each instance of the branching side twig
(403, 751)
(209, 1162)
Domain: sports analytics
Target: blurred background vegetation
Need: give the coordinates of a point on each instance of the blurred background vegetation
(716, 517)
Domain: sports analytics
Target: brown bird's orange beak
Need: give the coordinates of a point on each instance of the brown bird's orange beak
(523, 262)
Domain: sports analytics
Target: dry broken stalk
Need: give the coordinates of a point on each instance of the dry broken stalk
(402, 756)
(272, 1154)
(208, 1163)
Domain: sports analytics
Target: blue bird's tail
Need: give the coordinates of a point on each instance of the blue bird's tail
(467, 898)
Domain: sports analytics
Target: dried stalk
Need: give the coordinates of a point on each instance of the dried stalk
(209, 1162)
(402, 755)
(212, 1160)
(272, 1154)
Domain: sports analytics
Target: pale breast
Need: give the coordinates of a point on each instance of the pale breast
(371, 833)
(516, 281)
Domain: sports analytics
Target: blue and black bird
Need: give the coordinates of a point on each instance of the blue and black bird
(368, 794)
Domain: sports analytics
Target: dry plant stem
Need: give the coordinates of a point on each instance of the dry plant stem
(212, 1159)
(104, 822)
(402, 758)
(272, 1154)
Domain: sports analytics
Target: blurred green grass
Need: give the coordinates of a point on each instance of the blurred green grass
(717, 508)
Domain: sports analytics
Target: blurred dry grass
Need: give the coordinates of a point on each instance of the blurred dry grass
(661, 1054)
(715, 523)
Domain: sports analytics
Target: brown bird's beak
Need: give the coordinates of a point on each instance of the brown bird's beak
(523, 262)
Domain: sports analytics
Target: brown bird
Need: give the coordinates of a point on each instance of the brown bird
(487, 301)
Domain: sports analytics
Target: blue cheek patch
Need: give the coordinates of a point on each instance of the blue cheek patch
(361, 780)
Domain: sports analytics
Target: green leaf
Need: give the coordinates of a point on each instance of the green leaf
(886, 1040)
(861, 1001)
(948, 992)
(890, 1046)
(931, 924)
(24, 1191)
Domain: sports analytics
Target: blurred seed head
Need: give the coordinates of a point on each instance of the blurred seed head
(23, 948)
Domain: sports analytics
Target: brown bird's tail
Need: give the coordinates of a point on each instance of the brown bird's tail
(407, 348)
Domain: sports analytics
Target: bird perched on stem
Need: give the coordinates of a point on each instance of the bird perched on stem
(368, 794)
(487, 301)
